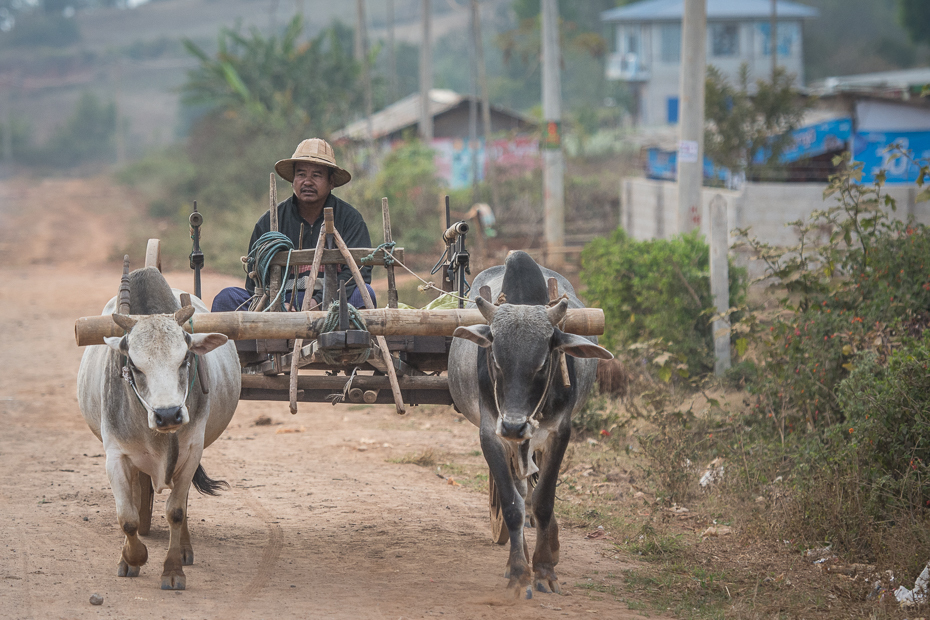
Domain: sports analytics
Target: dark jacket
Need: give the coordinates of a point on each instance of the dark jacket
(348, 221)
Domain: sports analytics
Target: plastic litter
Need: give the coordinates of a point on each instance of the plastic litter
(919, 593)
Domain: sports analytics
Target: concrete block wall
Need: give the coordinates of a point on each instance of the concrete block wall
(649, 209)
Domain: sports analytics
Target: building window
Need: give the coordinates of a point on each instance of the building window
(724, 39)
(789, 36)
(671, 43)
(632, 43)
(671, 110)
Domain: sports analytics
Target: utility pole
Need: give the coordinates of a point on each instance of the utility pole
(361, 55)
(392, 60)
(485, 105)
(359, 43)
(773, 38)
(553, 162)
(426, 75)
(691, 114)
(473, 108)
(8, 85)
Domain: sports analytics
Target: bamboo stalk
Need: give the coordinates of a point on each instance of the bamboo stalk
(289, 325)
(308, 295)
(392, 287)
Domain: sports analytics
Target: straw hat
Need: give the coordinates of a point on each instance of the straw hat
(314, 151)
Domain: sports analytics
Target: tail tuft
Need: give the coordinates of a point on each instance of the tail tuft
(206, 485)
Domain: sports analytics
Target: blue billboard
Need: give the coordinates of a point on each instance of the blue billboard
(875, 149)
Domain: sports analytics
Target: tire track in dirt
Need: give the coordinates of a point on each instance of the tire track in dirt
(265, 568)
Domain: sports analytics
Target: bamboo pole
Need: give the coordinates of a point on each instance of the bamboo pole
(327, 382)
(290, 325)
(308, 295)
(388, 238)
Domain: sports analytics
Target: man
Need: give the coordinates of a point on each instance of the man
(313, 173)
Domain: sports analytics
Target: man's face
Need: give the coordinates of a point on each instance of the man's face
(312, 182)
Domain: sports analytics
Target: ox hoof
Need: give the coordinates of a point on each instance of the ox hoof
(187, 557)
(529, 592)
(173, 581)
(548, 586)
(125, 570)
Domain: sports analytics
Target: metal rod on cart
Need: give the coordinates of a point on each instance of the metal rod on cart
(196, 257)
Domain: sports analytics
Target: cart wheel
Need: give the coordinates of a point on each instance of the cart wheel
(146, 504)
(153, 254)
(499, 532)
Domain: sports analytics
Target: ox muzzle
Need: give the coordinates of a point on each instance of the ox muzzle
(169, 419)
(514, 428)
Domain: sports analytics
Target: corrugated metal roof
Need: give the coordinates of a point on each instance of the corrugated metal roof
(671, 10)
(883, 80)
(406, 113)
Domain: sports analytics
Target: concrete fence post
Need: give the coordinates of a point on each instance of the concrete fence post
(720, 281)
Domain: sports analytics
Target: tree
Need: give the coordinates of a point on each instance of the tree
(748, 132)
(275, 79)
(915, 17)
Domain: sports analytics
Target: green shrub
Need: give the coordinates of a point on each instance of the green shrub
(656, 289)
(408, 179)
(88, 135)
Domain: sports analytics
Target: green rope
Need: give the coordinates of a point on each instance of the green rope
(259, 260)
(389, 259)
(331, 324)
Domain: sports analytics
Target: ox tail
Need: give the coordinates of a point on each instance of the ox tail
(206, 485)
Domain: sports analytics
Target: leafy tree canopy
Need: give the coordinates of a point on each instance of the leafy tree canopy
(312, 83)
(915, 17)
(741, 125)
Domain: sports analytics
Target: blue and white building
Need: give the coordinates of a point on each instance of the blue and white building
(647, 47)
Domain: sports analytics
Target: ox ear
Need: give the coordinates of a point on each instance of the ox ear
(117, 343)
(124, 320)
(204, 343)
(479, 334)
(576, 346)
(183, 315)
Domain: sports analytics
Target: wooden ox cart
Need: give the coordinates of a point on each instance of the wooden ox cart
(383, 355)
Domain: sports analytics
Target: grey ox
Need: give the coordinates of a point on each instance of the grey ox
(140, 394)
(506, 378)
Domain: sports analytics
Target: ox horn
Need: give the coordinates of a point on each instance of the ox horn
(183, 315)
(557, 312)
(486, 308)
(124, 320)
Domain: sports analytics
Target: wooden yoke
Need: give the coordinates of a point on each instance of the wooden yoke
(363, 290)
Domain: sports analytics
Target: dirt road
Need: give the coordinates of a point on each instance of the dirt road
(322, 520)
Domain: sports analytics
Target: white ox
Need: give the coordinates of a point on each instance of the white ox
(140, 394)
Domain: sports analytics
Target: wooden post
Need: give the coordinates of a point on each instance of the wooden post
(275, 284)
(392, 285)
(124, 288)
(329, 271)
(720, 281)
(382, 343)
(308, 295)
